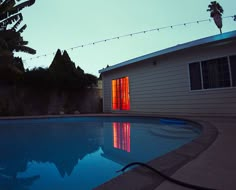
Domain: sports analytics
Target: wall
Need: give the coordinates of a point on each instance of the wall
(19, 101)
(164, 88)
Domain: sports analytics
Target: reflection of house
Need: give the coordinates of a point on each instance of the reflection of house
(194, 78)
(115, 143)
(126, 142)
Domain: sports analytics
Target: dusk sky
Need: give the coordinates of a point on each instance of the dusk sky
(68, 23)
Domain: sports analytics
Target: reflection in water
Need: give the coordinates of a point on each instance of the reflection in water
(70, 154)
(12, 183)
(121, 136)
(62, 144)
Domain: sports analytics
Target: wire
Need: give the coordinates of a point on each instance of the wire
(130, 35)
(175, 181)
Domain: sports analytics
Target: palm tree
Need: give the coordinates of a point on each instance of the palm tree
(10, 38)
(216, 12)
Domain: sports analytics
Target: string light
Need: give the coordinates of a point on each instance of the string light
(130, 35)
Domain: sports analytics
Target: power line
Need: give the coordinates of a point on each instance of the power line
(130, 35)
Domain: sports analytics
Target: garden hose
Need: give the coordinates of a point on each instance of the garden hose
(175, 181)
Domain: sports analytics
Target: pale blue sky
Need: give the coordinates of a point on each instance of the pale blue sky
(63, 24)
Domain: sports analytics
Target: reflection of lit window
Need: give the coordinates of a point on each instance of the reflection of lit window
(120, 94)
(121, 136)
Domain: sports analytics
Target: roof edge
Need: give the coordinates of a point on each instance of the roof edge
(206, 40)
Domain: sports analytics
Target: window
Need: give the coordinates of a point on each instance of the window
(195, 76)
(120, 94)
(233, 69)
(214, 73)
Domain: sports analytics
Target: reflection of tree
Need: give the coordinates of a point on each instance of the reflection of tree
(59, 143)
(12, 183)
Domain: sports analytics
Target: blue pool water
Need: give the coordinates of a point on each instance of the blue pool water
(81, 152)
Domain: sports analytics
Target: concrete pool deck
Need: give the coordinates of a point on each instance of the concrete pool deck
(216, 166)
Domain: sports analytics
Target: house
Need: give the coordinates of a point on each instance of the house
(197, 78)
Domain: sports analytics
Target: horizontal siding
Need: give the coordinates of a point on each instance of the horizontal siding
(176, 105)
(166, 94)
(165, 88)
(106, 94)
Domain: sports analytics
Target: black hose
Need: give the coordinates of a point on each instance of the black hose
(181, 183)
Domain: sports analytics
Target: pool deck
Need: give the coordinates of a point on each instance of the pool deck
(209, 161)
(216, 166)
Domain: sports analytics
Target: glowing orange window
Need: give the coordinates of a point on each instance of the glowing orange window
(120, 94)
(121, 136)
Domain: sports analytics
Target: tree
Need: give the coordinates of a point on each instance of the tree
(64, 73)
(216, 12)
(10, 38)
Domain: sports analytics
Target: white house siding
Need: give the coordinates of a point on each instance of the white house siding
(164, 88)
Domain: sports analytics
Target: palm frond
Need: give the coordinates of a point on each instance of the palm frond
(2, 28)
(8, 34)
(22, 42)
(10, 39)
(17, 9)
(220, 9)
(7, 5)
(215, 9)
(21, 6)
(17, 23)
(22, 28)
(3, 44)
(25, 49)
(10, 20)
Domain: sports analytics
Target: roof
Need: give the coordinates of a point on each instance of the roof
(202, 41)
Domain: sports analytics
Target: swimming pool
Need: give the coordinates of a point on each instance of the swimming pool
(82, 152)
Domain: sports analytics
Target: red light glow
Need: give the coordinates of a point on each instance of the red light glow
(121, 136)
(120, 94)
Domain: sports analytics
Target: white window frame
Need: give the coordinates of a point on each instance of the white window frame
(201, 75)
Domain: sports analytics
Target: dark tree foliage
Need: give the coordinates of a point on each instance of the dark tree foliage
(10, 38)
(91, 80)
(18, 63)
(62, 74)
(65, 75)
(10, 75)
(38, 78)
(12, 68)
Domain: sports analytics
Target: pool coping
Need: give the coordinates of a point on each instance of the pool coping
(141, 178)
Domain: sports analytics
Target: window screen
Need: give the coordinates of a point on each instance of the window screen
(215, 73)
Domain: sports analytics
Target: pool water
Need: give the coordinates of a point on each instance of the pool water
(81, 152)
